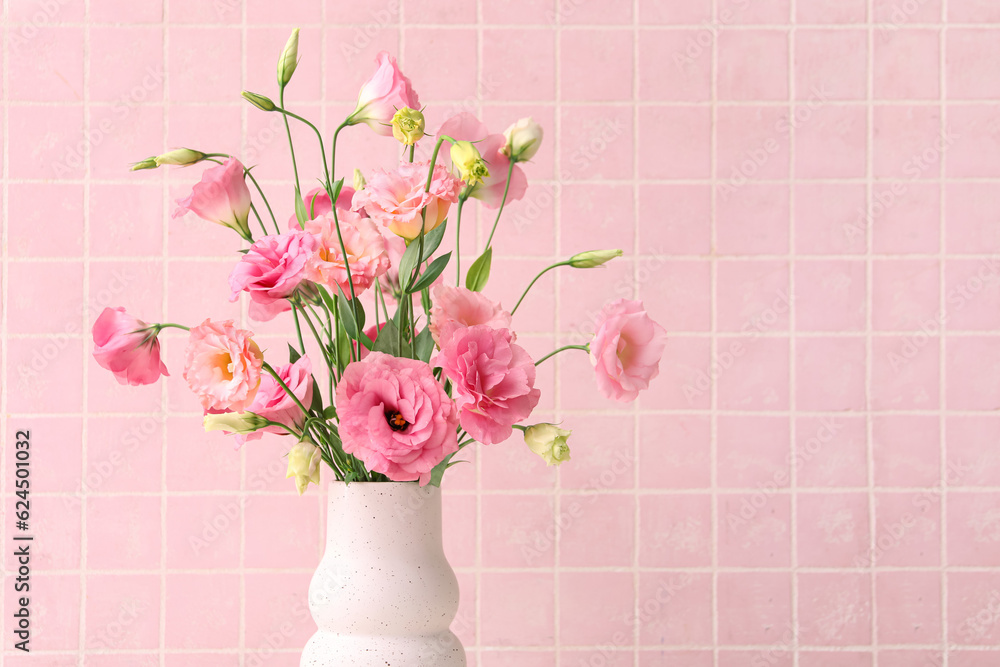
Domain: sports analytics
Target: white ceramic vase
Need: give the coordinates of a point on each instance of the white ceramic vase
(384, 595)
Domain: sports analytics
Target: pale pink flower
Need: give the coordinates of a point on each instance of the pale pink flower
(395, 198)
(317, 203)
(271, 271)
(626, 349)
(221, 197)
(466, 127)
(273, 403)
(396, 417)
(494, 380)
(385, 92)
(222, 365)
(365, 247)
(121, 347)
(456, 308)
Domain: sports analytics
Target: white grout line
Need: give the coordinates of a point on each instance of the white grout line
(942, 349)
(869, 354)
(793, 511)
(5, 421)
(85, 315)
(714, 327)
(557, 317)
(636, 420)
(164, 396)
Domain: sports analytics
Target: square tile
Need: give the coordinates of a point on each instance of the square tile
(833, 529)
(675, 530)
(907, 65)
(755, 376)
(281, 531)
(203, 66)
(45, 142)
(674, 452)
(831, 11)
(906, 218)
(675, 609)
(752, 143)
(603, 450)
(596, 65)
(685, 381)
(755, 529)
(683, 226)
(753, 219)
(830, 374)
(123, 533)
(907, 450)
(907, 529)
(908, 607)
(521, 530)
(972, 135)
(521, 606)
(48, 67)
(753, 65)
(673, 67)
(203, 531)
(831, 64)
(974, 360)
(515, 61)
(284, 603)
(753, 452)
(202, 610)
(973, 11)
(680, 297)
(970, 461)
(596, 608)
(971, 617)
(435, 57)
(665, 12)
(830, 141)
(754, 608)
(126, 65)
(908, 142)
(905, 374)
(830, 295)
(971, 64)
(831, 451)
(835, 609)
(122, 611)
(973, 214)
(683, 134)
(830, 218)
(905, 295)
(972, 294)
(973, 528)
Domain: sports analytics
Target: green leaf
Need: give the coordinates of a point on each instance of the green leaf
(432, 240)
(327, 299)
(347, 314)
(424, 345)
(428, 277)
(337, 187)
(293, 354)
(437, 472)
(317, 402)
(479, 272)
(388, 341)
(330, 413)
(300, 208)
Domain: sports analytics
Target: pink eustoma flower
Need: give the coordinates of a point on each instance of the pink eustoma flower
(271, 271)
(626, 349)
(366, 254)
(273, 403)
(494, 380)
(121, 347)
(222, 365)
(456, 308)
(221, 197)
(385, 92)
(395, 198)
(396, 417)
(466, 127)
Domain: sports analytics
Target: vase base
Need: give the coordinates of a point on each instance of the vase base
(327, 649)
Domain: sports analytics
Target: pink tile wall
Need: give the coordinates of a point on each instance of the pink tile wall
(806, 191)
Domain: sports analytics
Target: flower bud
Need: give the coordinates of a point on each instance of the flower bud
(408, 126)
(234, 422)
(359, 180)
(549, 442)
(289, 59)
(592, 258)
(303, 464)
(148, 163)
(523, 140)
(260, 101)
(470, 164)
(179, 156)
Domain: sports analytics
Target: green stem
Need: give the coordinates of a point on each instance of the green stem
(316, 335)
(535, 280)
(458, 239)
(298, 329)
(266, 203)
(170, 325)
(260, 220)
(506, 188)
(288, 131)
(412, 148)
(333, 150)
(561, 349)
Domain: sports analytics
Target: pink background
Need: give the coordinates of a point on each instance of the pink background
(783, 495)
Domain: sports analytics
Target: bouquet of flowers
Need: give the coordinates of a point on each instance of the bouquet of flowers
(397, 391)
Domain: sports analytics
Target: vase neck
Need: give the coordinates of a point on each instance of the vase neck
(386, 514)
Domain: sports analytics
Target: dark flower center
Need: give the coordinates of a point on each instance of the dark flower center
(396, 421)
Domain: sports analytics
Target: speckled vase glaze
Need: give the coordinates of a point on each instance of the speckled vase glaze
(384, 595)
